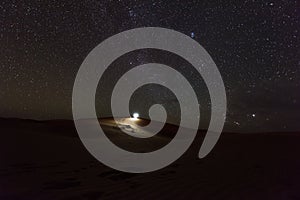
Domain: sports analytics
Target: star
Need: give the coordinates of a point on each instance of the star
(192, 35)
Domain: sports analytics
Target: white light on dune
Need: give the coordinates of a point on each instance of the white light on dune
(135, 115)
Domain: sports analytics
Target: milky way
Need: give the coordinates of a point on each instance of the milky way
(255, 45)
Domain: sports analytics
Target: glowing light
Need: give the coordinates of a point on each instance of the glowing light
(135, 115)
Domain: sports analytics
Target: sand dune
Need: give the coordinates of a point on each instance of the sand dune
(46, 160)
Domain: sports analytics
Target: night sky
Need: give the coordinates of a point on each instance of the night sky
(255, 45)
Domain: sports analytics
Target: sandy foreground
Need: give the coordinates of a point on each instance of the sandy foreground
(46, 160)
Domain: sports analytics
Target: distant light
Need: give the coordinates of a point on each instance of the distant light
(192, 34)
(237, 123)
(253, 115)
(135, 115)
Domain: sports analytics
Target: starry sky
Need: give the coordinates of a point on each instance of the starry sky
(255, 45)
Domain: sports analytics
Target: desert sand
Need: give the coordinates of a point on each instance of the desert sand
(46, 160)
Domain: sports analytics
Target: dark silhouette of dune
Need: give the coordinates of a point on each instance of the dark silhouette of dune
(46, 160)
